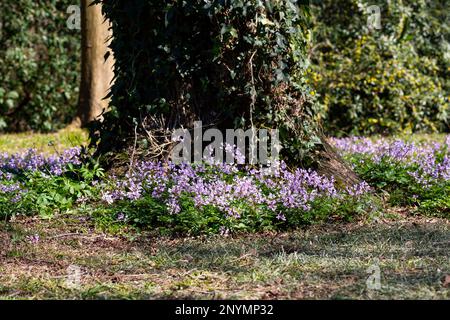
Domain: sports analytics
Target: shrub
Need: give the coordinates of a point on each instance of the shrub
(381, 81)
(39, 65)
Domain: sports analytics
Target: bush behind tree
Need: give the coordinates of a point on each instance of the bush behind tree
(382, 81)
(39, 65)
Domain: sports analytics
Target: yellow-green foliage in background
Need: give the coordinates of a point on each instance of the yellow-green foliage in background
(388, 80)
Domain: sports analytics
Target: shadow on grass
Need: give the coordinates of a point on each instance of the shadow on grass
(396, 241)
(325, 261)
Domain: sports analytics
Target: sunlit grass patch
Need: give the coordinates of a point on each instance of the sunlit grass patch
(43, 142)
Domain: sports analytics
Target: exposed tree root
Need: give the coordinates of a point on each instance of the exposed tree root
(329, 163)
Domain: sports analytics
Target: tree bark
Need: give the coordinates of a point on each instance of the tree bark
(330, 164)
(96, 72)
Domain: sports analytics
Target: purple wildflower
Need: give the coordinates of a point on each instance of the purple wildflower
(33, 239)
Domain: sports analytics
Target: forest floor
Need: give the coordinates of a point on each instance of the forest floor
(67, 257)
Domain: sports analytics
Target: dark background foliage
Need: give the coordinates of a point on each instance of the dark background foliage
(39, 65)
(364, 81)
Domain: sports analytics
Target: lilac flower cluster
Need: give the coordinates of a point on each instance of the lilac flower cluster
(428, 163)
(231, 189)
(14, 191)
(226, 187)
(33, 161)
(9, 188)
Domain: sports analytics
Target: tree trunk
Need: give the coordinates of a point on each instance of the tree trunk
(330, 164)
(96, 72)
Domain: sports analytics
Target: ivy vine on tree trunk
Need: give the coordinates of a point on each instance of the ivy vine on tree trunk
(230, 64)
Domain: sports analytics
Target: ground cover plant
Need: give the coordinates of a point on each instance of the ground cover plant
(227, 198)
(412, 173)
(193, 199)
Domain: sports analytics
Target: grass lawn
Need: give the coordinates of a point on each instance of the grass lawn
(43, 142)
(68, 257)
(318, 262)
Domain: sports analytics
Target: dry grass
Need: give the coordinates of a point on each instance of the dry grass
(320, 262)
